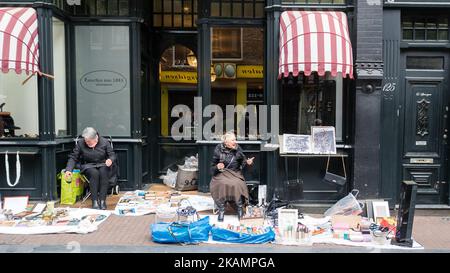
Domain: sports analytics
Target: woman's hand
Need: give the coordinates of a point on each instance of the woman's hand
(250, 161)
(220, 166)
(67, 175)
(108, 162)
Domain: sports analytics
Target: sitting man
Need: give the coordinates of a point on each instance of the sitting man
(228, 183)
(95, 156)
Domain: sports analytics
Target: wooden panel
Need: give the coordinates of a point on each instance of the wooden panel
(427, 179)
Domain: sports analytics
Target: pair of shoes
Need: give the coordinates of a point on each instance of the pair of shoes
(95, 204)
(103, 204)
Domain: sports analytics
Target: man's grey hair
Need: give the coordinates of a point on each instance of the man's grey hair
(228, 136)
(89, 133)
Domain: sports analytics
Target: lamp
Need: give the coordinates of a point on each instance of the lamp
(213, 74)
(191, 59)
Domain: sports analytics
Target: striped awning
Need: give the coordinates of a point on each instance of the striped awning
(314, 41)
(19, 43)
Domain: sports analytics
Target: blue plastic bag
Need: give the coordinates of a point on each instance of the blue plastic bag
(225, 235)
(179, 232)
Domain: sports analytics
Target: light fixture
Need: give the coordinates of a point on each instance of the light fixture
(191, 59)
(213, 74)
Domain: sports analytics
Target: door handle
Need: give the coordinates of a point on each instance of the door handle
(445, 136)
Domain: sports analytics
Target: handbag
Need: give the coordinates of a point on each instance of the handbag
(335, 178)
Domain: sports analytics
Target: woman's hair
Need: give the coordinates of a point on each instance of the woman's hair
(89, 133)
(227, 136)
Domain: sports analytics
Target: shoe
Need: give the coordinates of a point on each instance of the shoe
(103, 204)
(240, 210)
(95, 204)
(221, 212)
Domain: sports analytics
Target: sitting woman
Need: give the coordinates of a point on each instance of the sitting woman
(228, 183)
(95, 156)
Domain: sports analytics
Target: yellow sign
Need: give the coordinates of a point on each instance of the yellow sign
(250, 71)
(178, 77)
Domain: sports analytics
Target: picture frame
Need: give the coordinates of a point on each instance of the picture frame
(380, 209)
(323, 139)
(16, 204)
(298, 144)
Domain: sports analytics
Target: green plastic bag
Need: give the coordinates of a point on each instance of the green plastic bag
(73, 189)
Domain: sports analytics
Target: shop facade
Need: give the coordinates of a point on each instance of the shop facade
(153, 55)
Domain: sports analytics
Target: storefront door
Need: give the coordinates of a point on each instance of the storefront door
(424, 124)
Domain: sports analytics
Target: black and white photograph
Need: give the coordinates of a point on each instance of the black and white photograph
(323, 140)
(300, 144)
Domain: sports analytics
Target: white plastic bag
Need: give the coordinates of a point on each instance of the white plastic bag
(170, 179)
(346, 206)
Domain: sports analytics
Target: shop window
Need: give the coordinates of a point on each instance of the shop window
(226, 43)
(178, 78)
(98, 7)
(174, 13)
(237, 8)
(103, 79)
(311, 101)
(19, 113)
(238, 58)
(59, 64)
(425, 28)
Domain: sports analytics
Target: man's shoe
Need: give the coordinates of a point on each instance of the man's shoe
(95, 204)
(221, 214)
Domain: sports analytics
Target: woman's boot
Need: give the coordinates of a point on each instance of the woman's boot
(103, 204)
(221, 215)
(95, 204)
(240, 209)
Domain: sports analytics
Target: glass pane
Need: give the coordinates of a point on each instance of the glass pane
(157, 20)
(248, 10)
(187, 21)
(443, 34)
(177, 6)
(59, 64)
(91, 5)
(102, 61)
(431, 23)
(419, 23)
(215, 9)
(157, 7)
(407, 34)
(326, 1)
(226, 9)
(407, 22)
(187, 8)
(226, 43)
(167, 6)
(124, 8)
(177, 20)
(237, 10)
(443, 23)
(339, 1)
(113, 7)
(419, 34)
(168, 20)
(101, 7)
(424, 62)
(431, 34)
(259, 10)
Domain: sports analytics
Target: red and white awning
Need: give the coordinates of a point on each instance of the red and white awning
(315, 41)
(19, 46)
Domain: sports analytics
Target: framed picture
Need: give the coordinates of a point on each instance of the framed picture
(16, 204)
(300, 144)
(323, 140)
(380, 209)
